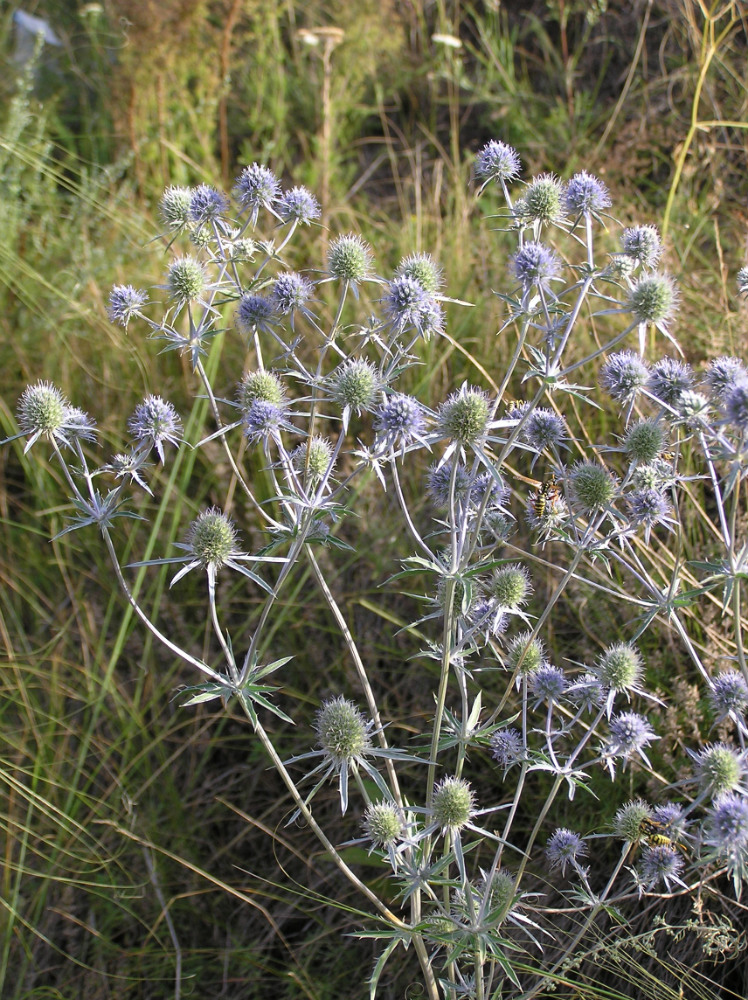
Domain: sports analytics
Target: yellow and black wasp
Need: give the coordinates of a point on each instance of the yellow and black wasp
(547, 497)
(654, 833)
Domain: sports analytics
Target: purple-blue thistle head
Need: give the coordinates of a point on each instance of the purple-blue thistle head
(564, 848)
(155, 421)
(736, 406)
(262, 420)
(727, 825)
(439, 480)
(207, 204)
(624, 375)
(400, 420)
(255, 313)
(629, 733)
(291, 292)
(487, 483)
(536, 264)
(729, 695)
(723, 374)
(643, 244)
(660, 863)
(124, 303)
(548, 684)
(649, 507)
(669, 379)
(298, 205)
(408, 304)
(585, 195)
(507, 747)
(497, 161)
(544, 428)
(256, 187)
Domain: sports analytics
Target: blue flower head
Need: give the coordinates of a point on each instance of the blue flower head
(257, 187)
(497, 161)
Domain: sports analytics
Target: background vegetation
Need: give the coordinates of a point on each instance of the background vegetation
(135, 831)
